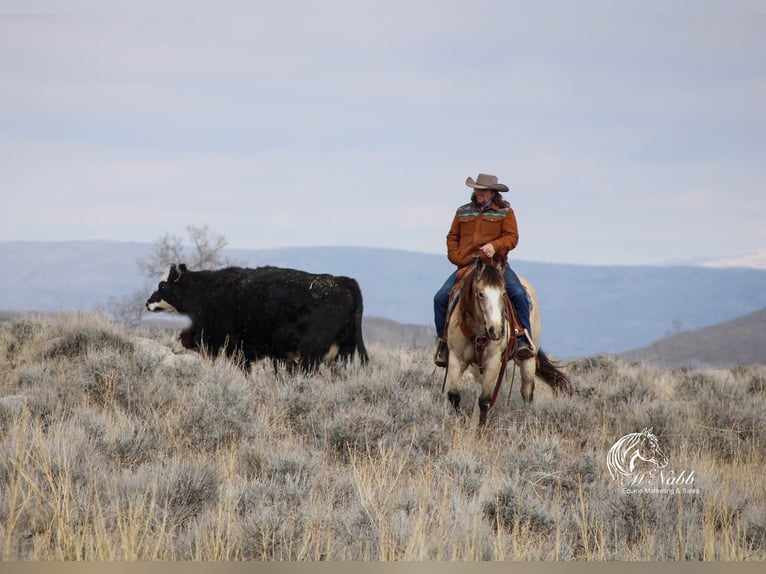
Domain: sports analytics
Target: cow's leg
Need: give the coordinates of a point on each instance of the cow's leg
(331, 354)
(347, 348)
(292, 361)
(309, 362)
(228, 345)
(322, 339)
(189, 338)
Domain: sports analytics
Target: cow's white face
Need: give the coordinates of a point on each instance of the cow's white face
(161, 305)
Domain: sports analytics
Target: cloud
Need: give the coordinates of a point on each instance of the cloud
(299, 124)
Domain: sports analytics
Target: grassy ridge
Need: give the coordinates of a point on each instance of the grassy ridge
(115, 444)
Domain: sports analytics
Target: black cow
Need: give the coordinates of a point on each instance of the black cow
(289, 315)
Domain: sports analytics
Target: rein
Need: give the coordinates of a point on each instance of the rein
(506, 353)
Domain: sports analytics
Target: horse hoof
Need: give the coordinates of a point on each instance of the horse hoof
(454, 398)
(527, 399)
(483, 412)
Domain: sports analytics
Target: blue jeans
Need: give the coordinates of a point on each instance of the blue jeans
(513, 286)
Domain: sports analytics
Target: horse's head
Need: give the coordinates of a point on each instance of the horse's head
(488, 288)
(649, 449)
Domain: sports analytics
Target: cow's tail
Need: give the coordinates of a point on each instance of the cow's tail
(358, 308)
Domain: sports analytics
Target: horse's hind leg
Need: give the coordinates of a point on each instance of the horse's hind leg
(527, 369)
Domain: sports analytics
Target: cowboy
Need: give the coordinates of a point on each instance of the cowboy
(485, 226)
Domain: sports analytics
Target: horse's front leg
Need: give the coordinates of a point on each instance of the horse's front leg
(489, 380)
(455, 369)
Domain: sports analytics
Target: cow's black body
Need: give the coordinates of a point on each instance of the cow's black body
(286, 314)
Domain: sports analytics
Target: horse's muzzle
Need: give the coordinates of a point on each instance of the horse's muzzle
(495, 334)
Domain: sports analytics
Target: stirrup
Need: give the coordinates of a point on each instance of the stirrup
(524, 350)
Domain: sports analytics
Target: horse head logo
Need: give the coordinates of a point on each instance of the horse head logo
(630, 455)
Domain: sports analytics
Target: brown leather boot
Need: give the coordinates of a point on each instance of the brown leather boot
(440, 357)
(524, 349)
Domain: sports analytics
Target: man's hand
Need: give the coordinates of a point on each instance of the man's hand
(488, 249)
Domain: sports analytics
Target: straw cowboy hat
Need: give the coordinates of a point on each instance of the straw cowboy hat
(486, 181)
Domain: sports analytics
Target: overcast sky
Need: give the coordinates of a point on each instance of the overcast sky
(626, 137)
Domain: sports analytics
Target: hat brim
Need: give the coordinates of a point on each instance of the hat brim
(497, 187)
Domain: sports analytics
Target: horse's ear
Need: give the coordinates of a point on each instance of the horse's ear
(648, 430)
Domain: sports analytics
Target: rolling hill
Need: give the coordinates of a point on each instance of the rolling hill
(741, 341)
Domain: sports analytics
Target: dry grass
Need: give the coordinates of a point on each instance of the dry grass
(114, 444)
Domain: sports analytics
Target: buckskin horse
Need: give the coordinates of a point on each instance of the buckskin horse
(480, 335)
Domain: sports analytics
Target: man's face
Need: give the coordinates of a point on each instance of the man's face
(483, 196)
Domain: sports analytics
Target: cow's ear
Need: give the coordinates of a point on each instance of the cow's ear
(179, 269)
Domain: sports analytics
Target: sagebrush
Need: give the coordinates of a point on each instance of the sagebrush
(117, 444)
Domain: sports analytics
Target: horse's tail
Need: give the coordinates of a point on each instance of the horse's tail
(550, 372)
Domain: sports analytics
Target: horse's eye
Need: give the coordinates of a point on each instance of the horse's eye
(480, 295)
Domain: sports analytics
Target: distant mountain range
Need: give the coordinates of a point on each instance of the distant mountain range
(586, 309)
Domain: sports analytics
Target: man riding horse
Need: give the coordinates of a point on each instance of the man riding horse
(486, 226)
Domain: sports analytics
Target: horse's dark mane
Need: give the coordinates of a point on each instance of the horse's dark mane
(493, 276)
(466, 290)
